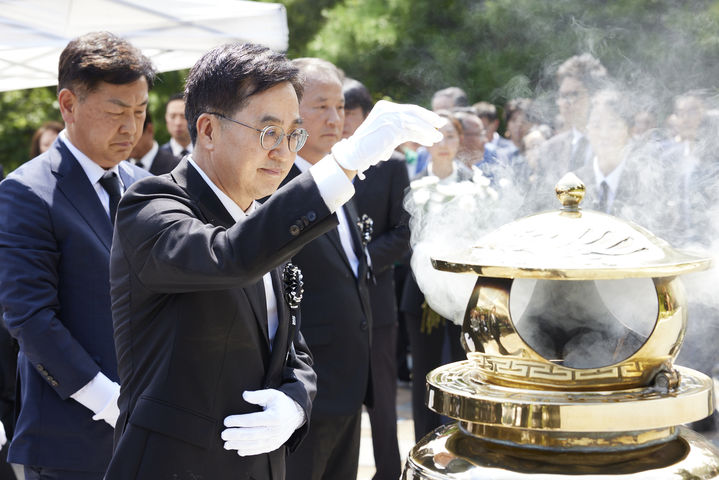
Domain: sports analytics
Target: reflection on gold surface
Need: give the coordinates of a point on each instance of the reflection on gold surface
(503, 357)
(687, 456)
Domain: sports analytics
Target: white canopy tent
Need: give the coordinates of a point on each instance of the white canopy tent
(174, 33)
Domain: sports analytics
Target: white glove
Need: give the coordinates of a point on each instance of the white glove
(265, 431)
(387, 126)
(100, 395)
(111, 411)
(3, 437)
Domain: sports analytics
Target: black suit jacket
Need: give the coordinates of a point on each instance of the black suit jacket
(164, 162)
(381, 197)
(191, 327)
(336, 317)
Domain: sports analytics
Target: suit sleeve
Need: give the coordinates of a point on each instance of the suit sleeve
(29, 282)
(393, 244)
(171, 250)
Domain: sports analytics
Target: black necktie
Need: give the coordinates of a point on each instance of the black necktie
(111, 183)
(139, 164)
(183, 153)
(604, 196)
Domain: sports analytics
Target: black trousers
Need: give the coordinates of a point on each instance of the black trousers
(330, 451)
(427, 354)
(41, 473)
(383, 416)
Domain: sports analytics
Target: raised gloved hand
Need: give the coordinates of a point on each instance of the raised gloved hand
(387, 126)
(3, 437)
(265, 431)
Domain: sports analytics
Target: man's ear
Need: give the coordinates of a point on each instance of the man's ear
(67, 101)
(150, 129)
(206, 131)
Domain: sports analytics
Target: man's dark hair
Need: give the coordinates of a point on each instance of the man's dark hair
(173, 97)
(584, 68)
(456, 95)
(148, 120)
(101, 57)
(357, 96)
(486, 110)
(225, 78)
(517, 105)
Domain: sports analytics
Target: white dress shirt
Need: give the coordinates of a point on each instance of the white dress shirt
(612, 181)
(177, 148)
(344, 227)
(239, 215)
(93, 171)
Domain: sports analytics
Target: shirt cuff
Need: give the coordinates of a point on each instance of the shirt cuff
(332, 182)
(97, 393)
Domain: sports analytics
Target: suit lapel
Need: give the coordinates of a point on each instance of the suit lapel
(352, 216)
(215, 213)
(78, 190)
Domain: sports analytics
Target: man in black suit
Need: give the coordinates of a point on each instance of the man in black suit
(180, 143)
(56, 214)
(217, 381)
(336, 311)
(578, 78)
(147, 153)
(380, 197)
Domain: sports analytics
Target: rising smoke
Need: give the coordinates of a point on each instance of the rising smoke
(686, 214)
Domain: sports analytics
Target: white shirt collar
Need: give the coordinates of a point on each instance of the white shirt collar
(232, 208)
(612, 179)
(93, 171)
(177, 148)
(302, 164)
(149, 157)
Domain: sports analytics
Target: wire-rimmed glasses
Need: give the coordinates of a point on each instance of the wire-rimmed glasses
(272, 135)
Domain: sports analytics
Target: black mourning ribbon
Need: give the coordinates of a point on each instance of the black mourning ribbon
(366, 227)
(294, 287)
(111, 183)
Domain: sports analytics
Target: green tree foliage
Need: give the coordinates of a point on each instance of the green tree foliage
(21, 113)
(24, 111)
(494, 49)
(500, 49)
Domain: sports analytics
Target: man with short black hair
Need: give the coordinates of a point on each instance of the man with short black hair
(56, 224)
(180, 143)
(217, 381)
(148, 155)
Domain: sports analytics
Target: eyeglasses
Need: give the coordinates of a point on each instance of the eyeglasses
(272, 135)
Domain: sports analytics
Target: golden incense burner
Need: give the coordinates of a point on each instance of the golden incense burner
(537, 412)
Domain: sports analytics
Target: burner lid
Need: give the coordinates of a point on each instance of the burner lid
(573, 244)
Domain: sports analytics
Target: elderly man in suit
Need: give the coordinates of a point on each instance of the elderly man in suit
(217, 380)
(380, 198)
(147, 153)
(56, 215)
(336, 312)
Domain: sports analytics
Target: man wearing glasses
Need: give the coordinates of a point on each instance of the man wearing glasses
(217, 381)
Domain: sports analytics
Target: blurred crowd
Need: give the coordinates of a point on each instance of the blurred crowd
(657, 165)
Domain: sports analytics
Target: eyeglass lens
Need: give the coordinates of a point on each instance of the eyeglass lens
(272, 135)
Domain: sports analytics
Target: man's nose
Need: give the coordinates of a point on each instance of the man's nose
(334, 116)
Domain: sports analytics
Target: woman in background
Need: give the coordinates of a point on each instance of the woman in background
(43, 137)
